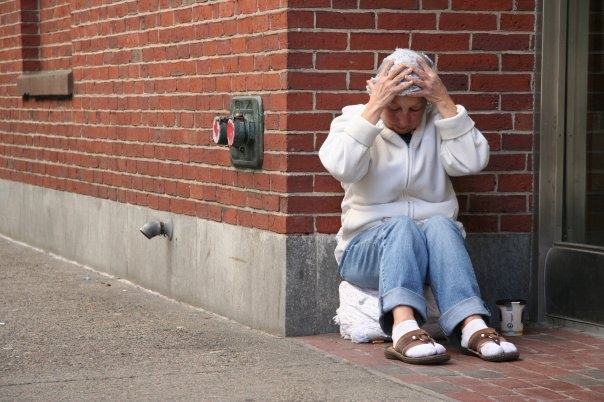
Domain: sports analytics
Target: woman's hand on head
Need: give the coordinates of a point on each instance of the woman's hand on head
(387, 85)
(432, 88)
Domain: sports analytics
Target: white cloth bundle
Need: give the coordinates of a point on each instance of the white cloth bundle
(359, 313)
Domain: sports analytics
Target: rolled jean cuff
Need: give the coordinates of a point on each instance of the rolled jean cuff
(401, 297)
(451, 318)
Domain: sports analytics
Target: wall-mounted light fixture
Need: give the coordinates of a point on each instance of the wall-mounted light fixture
(155, 228)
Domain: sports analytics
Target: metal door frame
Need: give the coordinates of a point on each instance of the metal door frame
(549, 141)
(562, 47)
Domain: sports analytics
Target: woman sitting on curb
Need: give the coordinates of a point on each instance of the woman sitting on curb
(393, 157)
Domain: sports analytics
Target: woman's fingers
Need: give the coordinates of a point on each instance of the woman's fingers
(398, 70)
(386, 71)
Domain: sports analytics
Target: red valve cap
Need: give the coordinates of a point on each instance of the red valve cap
(230, 131)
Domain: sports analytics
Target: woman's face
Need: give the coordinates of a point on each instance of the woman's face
(404, 114)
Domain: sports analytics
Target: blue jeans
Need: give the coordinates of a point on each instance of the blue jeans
(399, 256)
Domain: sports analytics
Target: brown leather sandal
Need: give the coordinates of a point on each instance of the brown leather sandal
(409, 340)
(482, 336)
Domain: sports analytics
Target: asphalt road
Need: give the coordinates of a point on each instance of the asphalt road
(68, 333)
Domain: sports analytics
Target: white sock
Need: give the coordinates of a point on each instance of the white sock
(426, 349)
(488, 348)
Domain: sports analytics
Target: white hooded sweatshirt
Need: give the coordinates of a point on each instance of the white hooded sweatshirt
(383, 177)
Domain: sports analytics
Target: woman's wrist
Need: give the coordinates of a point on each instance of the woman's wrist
(446, 107)
(371, 113)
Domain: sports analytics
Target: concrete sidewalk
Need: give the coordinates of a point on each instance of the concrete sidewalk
(68, 333)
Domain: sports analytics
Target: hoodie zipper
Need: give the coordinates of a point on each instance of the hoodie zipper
(408, 179)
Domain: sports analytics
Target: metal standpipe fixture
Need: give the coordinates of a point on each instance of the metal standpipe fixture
(242, 131)
(156, 228)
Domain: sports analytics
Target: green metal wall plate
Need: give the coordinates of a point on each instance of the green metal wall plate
(251, 153)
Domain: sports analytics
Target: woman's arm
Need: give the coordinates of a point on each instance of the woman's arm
(345, 153)
(464, 150)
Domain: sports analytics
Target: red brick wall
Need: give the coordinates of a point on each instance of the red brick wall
(484, 51)
(150, 76)
(54, 34)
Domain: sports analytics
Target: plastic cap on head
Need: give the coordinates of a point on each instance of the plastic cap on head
(407, 57)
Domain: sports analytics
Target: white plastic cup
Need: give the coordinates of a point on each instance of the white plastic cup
(510, 314)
